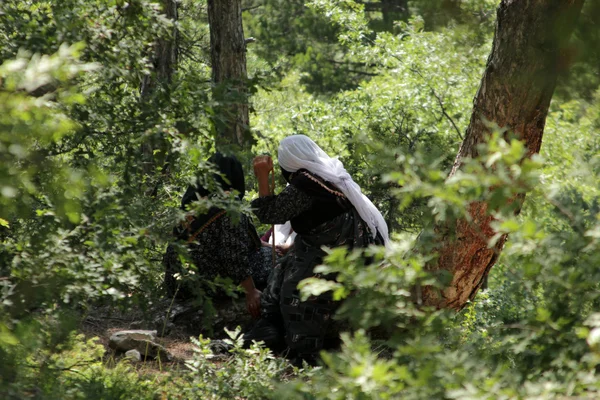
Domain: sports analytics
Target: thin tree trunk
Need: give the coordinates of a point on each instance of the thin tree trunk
(164, 63)
(515, 93)
(165, 57)
(392, 11)
(228, 57)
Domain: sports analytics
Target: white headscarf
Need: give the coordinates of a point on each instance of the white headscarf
(300, 152)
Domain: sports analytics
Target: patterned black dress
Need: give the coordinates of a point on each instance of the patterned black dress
(321, 216)
(222, 248)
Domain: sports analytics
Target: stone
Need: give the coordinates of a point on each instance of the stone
(219, 347)
(140, 340)
(133, 355)
(120, 338)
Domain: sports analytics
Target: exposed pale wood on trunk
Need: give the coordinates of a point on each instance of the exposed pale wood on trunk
(515, 93)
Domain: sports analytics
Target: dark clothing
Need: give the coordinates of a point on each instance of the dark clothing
(307, 203)
(321, 216)
(223, 249)
(230, 177)
(215, 244)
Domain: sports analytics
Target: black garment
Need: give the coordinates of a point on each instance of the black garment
(230, 176)
(322, 216)
(307, 202)
(222, 249)
(215, 244)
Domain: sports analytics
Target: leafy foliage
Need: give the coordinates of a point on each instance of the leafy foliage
(246, 373)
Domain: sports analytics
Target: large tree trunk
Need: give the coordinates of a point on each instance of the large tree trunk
(164, 63)
(515, 93)
(228, 57)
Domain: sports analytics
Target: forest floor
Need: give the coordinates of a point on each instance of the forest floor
(104, 323)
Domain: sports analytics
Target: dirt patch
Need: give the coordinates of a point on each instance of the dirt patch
(101, 323)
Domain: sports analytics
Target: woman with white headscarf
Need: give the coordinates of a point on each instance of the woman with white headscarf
(326, 209)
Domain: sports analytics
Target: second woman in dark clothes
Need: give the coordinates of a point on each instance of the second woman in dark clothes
(216, 244)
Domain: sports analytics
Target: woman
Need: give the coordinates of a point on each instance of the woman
(326, 208)
(217, 245)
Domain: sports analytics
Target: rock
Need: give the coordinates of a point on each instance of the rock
(133, 355)
(142, 341)
(121, 340)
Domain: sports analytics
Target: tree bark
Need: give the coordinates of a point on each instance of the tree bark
(392, 11)
(165, 57)
(228, 57)
(164, 64)
(515, 93)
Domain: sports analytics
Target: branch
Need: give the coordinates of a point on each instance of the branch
(446, 114)
(440, 102)
(380, 6)
(251, 8)
(360, 64)
(362, 72)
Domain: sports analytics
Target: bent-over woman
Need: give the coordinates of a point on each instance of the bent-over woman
(216, 244)
(326, 208)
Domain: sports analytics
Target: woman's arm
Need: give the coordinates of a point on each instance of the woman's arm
(281, 208)
(252, 297)
(263, 165)
(271, 209)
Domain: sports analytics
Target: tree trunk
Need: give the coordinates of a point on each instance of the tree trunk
(228, 57)
(392, 11)
(515, 93)
(165, 57)
(164, 63)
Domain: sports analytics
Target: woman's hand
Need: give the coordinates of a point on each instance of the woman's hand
(253, 302)
(262, 166)
(252, 297)
(283, 249)
(280, 249)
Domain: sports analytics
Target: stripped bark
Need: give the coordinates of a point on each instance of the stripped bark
(515, 93)
(228, 57)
